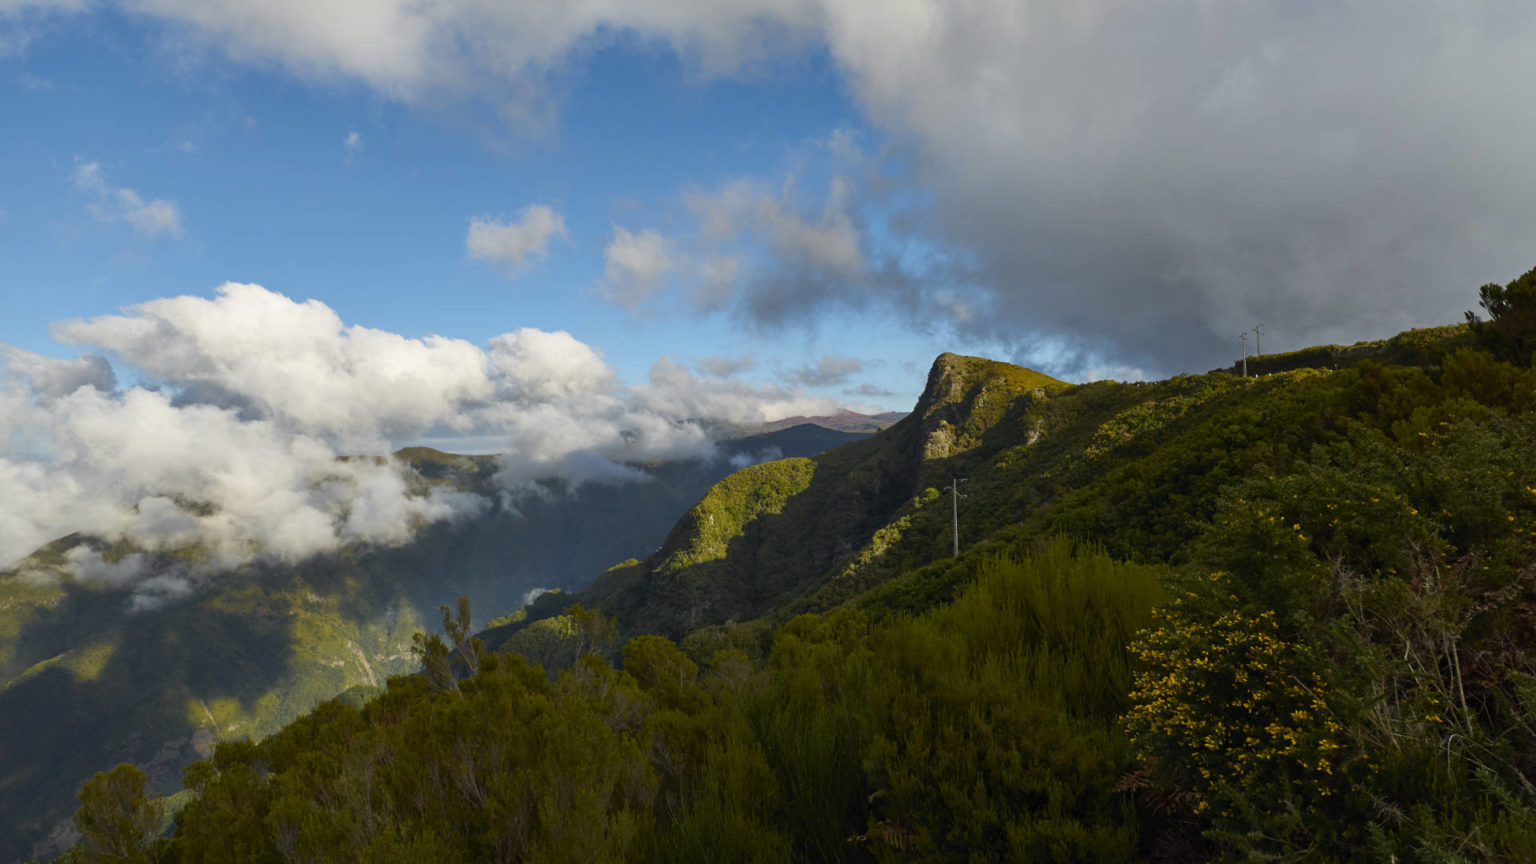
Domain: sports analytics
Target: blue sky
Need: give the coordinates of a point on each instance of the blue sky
(267, 189)
(1111, 190)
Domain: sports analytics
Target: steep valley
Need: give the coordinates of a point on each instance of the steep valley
(85, 682)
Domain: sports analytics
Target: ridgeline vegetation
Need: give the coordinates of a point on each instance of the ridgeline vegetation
(1289, 617)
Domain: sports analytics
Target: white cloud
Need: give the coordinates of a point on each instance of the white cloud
(540, 366)
(149, 217)
(634, 265)
(675, 392)
(1116, 373)
(157, 216)
(249, 399)
(352, 143)
(51, 378)
(296, 363)
(515, 241)
(87, 178)
(419, 51)
(745, 460)
(120, 466)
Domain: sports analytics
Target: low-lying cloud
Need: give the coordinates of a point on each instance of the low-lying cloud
(233, 438)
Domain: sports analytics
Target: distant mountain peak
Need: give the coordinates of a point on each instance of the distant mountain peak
(843, 421)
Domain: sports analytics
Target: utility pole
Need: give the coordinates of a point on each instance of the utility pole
(954, 488)
(1244, 336)
(1258, 346)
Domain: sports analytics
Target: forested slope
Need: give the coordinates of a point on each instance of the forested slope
(89, 679)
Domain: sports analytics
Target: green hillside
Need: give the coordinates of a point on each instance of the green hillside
(84, 684)
(775, 533)
(1214, 618)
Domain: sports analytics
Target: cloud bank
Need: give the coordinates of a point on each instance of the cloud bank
(1141, 181)
(233, 438)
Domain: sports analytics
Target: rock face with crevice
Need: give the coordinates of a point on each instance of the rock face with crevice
(966, 396)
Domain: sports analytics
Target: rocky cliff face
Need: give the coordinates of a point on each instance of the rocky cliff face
(966, 396)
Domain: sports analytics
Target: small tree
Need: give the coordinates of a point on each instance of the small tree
(118, 819)
(436, 661)
(436, 657)
(1510, 331)
(594, 631)
(457, 628)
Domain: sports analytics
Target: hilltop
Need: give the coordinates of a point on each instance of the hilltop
(843, 421)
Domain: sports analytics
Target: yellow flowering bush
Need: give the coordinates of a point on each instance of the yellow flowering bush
(1236, 716)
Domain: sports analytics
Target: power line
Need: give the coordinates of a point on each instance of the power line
(954, 488)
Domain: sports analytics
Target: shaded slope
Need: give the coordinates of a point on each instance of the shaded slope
(85, 685)
(821, 515)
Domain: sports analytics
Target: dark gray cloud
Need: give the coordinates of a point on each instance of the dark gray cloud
(1120, 188)
(868, 390)
(726, 366)
(830, 371)
(1138, 182)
